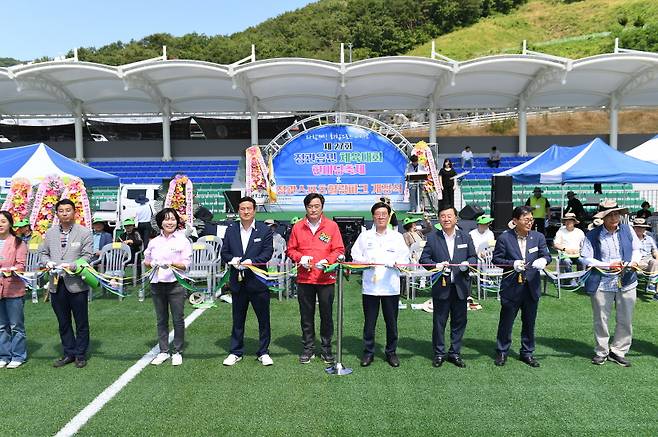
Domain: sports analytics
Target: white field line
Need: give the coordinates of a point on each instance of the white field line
(95, 406)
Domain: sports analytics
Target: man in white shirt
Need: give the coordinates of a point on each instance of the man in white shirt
(386, 249)
(467, 157)
(482, 234)
(569, 241)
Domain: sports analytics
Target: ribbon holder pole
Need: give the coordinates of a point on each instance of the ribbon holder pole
(338, 368)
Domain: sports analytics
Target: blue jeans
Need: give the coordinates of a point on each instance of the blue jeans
(12, 330)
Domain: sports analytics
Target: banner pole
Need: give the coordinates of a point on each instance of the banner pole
(338, 368)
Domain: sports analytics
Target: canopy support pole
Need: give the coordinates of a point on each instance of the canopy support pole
(166, 131)
(523, 129)
(432, 136)
(614, 121)
(79, 143)
(254, 122)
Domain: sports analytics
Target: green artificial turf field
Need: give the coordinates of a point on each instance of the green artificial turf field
(567, 395)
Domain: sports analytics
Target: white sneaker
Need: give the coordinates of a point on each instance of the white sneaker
(265, 360)
(160, 358)
(14, 364)
(231, 360)
(3, 363)
(226, 298)
(176, 359)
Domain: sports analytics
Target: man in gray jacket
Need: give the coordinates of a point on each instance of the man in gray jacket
(62, 246)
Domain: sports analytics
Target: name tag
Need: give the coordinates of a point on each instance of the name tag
(75, 244)
(462, 246)
(533, 249)
(256, 240)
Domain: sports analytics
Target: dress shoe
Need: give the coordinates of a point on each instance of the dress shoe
(599, 360)
(619, 359)
(393, 360)
(456, 360)
(80, 362)
(63, 361)
(530, 360)
(438, 361)
(366, 360)
(500, 360)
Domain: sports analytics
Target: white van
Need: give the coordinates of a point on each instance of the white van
(114, 212)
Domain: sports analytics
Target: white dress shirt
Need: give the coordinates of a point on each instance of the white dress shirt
(245, 234)
(386, 248)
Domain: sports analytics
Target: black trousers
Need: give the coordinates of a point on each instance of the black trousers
(306, 296)
(539, 225)
(260, 302)
(169, 297)
(448, 196)
(145, 230)
(390, 308)
(456, 308)
(508, 312)
(68, 307)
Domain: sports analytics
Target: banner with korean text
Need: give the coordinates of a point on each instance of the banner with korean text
(350, 165)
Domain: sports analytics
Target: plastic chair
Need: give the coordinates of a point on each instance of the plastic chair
(32, 264)
(113, 260)
(489, 276)
(203, 266)
(216, 243)
(278, 261)
(416, 276)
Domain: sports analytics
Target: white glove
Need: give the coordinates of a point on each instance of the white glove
(243, 265)
(442, 265)
(50, 265)
(306, 261)
(463, 266)
(519, 265)
(321, 264)
(539, 264)
(235, 261)
(13, 268)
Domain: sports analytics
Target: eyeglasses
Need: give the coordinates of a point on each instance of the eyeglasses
(526, 220)
(377, 216)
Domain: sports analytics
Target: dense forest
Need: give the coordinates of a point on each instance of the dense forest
(373, 27)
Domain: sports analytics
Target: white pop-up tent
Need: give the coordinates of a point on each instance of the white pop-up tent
(647, 151)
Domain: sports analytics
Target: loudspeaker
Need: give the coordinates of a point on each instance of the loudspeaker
(501, 189)
(471, 212)
(502, 214)
(232, 198)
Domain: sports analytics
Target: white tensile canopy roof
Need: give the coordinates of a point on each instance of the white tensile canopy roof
(401, 83)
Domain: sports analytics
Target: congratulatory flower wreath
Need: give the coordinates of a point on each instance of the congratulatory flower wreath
(75, 191)
(180, 196)
(19, 199)
(48, 194)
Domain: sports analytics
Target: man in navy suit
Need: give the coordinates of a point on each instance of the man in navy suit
(451, 250)
(522, 253)
(245, 243)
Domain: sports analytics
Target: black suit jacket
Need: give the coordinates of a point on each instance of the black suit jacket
(436, 250)
(259, 251)
(507, 251)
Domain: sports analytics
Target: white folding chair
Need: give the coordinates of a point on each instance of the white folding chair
(416, 275)
(32, 264)
(216, 243)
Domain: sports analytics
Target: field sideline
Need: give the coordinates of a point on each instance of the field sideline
(567, 395)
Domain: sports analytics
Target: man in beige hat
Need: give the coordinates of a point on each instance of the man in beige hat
(568, 241)
(612, 246)
(648, 250)
(540, 209)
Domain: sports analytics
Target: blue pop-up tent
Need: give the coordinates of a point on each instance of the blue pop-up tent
(37, 161)
(530, 171)
(592, 162)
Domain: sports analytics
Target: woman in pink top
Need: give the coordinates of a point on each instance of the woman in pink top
(165, 252)
(13, 350)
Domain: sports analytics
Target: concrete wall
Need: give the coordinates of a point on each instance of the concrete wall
(200, 149)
